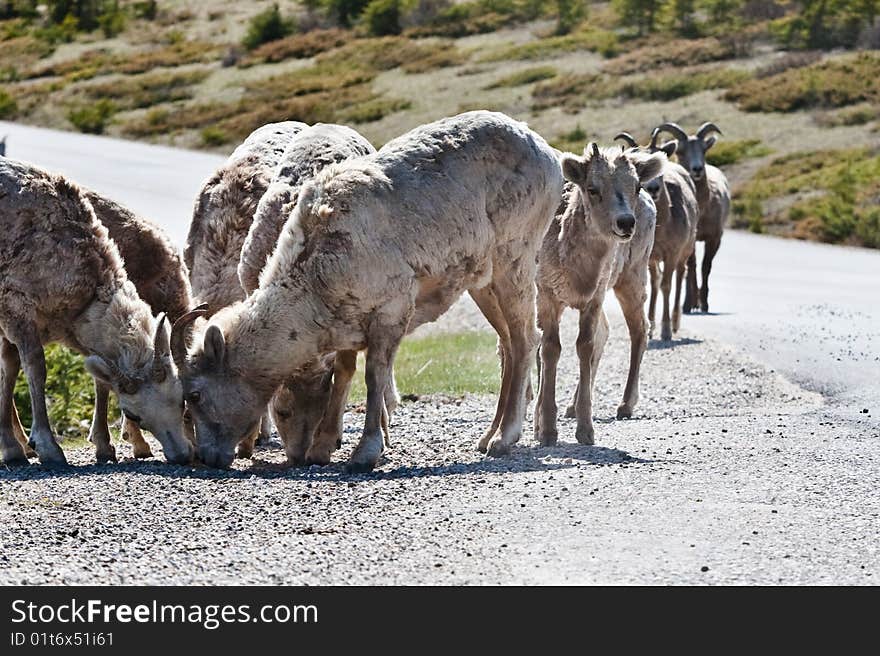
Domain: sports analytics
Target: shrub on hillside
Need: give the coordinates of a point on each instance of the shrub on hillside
(382, 17)
(92, 118)
(8, 105)
(268, 25)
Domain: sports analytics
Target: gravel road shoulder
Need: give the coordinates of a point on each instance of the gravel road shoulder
(727, 474)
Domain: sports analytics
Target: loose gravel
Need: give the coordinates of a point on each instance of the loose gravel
(727, 474)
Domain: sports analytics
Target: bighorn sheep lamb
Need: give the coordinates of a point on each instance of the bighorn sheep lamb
(298, 408)
(713, 196)
(376, 246)
(222, 216)
(601, 237)
(674, 196)
(63, 280)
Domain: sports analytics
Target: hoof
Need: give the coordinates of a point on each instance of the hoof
(30, 453)
(483, 444)
(54, 462)
(106, 455)
(358, 467)
(338, 443)
(263, 440)
(624, 411)
(547, 438)
(585, 436)
(15, 458)
(244, 452)
(142, 452)
(497, 448)
(317, 458)
(571, 412)
(666, 334)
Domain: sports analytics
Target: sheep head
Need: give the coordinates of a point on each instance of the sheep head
(609, 182)
(150, 395)
(225, 408)
(691, 149)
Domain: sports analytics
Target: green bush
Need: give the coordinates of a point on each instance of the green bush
(726, 153)
(69, 394)
(112, 22)
(382, 17)
(214, 136)
(92, 118)
(345, 11)
(8, 106)
(267, 26)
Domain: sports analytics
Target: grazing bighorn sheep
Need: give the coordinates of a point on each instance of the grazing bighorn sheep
(601, 237)
(713, 196)
(674, 196)
(62, 279)
(298, 409)
(222, 216)
(376, 246)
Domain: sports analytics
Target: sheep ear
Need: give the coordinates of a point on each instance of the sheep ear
(99, 370)
(669, 148)
(648, 167)
(215, 345)
(574, 168)
(708, 142)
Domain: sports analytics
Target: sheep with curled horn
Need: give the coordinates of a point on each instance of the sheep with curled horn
(713, 197)
(222, 216)
(674, 194)
(64, 281)
(600, 238)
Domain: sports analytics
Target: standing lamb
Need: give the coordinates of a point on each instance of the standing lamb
(298, 409)
(713, 196)
(674, 196)
(601, 238)
(376, 246)
(222, 216)
(63, 280)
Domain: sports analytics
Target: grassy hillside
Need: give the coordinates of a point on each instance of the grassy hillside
(781, 88)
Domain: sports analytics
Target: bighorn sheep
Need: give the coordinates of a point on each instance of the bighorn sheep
(222, 216)
(713, 196)
(376, 246)
(674, 196)
(298, 409)
(601, 237)
(63, 280)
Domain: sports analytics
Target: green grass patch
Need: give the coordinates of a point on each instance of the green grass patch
(92, 118)
(8, 104)
(572, 141)
(70, 394)
(679, 84)
(451, 364)
(591, 40)
(853, 115)
(526, 76)
(678, 53)
(827, 196)
(373, 110)
(136, 91)
(829, 84)
(725, 153)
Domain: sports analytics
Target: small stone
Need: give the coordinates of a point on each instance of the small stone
(704, 568)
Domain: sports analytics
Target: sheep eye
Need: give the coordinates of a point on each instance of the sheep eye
(193, 397)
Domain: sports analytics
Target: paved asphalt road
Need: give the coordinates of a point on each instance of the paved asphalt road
(809, 310)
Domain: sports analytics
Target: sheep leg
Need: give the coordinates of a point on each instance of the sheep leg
(548, 359)
(708, 255)
(380, 361)
(691, 300)
(12, 452)
(132, 434)
(20, 433)
(99, 433)
(488, 303)
(297, 424)
(571, 410)
(34, 360)
(592, 333)
(328, 437)
(245, 448)
(666, 290)
(654, 270)
(631, 297)
(517, 291)
(264, 437)
(676, 309)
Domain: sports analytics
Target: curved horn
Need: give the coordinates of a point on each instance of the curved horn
(180, 333)
(706, 128)
(628, 138)
(160, 349)
(654, 134)
(674, 129)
